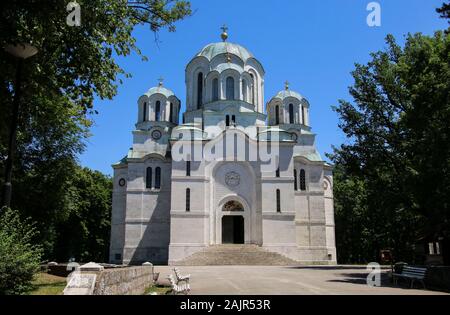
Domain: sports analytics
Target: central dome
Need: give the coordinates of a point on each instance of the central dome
(212, 50)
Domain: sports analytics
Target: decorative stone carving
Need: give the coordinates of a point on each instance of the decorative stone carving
(232, 179)
(232, 206)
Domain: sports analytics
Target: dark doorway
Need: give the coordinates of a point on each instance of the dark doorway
(233, 230)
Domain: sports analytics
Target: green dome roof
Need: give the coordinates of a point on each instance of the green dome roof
(288, 93)
(160, 90)
(215, 49)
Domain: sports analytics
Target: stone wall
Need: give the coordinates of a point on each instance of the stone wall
(123, 281)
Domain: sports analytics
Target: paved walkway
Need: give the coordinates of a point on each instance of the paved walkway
(257, 280)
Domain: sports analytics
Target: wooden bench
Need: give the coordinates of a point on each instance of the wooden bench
(412, 274)
(180, 277)
(178, 288)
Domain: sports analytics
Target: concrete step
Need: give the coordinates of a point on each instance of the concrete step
(236, 255)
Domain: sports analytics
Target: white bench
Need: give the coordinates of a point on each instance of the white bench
(412, 274)
(180, 277)
(178, 288)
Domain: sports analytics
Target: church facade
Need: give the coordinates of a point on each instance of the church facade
(236, 171)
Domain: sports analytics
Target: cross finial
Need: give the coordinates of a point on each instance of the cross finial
(161, 81)
(286, 85)
(224, 34)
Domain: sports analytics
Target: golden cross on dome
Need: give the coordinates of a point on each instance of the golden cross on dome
(286, 85)
(224, 34)
(161, 81)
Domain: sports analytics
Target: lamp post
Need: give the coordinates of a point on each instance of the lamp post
(20, 52)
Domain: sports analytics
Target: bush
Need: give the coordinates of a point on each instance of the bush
(19, 257)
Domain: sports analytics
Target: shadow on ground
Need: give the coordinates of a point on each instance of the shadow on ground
(333, 267)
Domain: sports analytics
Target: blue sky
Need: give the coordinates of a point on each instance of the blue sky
(312, 44)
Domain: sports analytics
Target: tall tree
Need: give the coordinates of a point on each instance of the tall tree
(85, 234)
(74, 64)
(399, 148)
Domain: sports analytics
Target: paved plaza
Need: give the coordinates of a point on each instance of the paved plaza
(275, 280)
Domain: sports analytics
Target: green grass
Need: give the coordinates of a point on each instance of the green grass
(158, 289)
(45, 284)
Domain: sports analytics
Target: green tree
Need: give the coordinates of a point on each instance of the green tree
(74, 64)
(444, 11)
(85, 234)
(399, 145)
(19, 258)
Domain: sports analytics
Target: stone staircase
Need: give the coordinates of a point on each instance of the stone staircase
(236, 255)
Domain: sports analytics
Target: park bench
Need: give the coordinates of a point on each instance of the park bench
(412, 274)
(178, 288)
(180, 277)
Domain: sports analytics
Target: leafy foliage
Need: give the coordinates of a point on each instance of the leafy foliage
(444, 11)
(74, 65)
(19, 258)
(398, 159)
(85, 234)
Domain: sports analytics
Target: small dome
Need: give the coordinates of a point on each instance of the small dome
(215, 49)
(160, 90)
(288, 93)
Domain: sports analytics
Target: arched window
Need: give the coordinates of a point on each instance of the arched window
(291, 113)
(158, 111)
(277, 173)
(277, 115)
(144, 112)
(227, 120)
(199, 90)
(252, 90)
(244, 90)
(148, 178)
(188, 200)
(303, 116)
(158, 178)
(188, 168)
(302, 180)
(233, 120)
(171, 113)
(295, 180)
(215, 90)
(278, 200)
(230, 88)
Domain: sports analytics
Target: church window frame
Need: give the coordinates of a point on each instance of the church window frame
(303, 180)
(148, 178)
(230, 88)
(295, 180)
(171, 112)
(188, 168)
(278, 200)
(144, 112)
(188, 199)
(277, 115)
(199, 90)
(158, 178)
(303, 115)
(215, 90)
(291, 114)
(158, 111)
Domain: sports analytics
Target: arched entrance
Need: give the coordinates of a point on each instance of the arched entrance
(233, 225)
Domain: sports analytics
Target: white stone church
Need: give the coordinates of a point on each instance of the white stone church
(170, 202)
